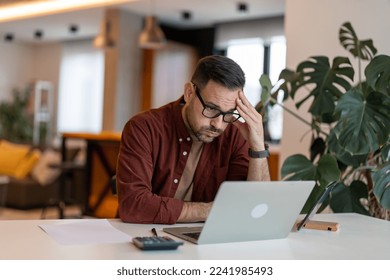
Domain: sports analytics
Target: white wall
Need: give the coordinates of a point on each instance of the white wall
(45, 66)
(173, 67)
(265, 29)
(16, 64)
(311, 28)
(128, 97)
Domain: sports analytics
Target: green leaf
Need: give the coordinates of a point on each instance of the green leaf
(344, 156)
(364, 124)
(381, 180)
(385, 151)
(327, 169)
(327, 81)
(266, 87)
(290, 81)
(378, 74)
(347, 199)
(15, 123)
(298, 167)
(362, 49)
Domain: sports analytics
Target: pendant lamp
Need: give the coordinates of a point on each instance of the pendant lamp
(152, 37)
(102, 40)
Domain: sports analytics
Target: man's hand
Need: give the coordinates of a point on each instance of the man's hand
(252, 129)
(194, 212)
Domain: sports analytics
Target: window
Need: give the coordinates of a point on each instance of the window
(81, 88)
(249, 54)
(255, 58)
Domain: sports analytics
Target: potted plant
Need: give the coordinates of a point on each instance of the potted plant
(350, 125)
(15, 122)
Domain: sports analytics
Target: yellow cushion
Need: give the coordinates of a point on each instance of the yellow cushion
(17, 160)
(10, 156)
(27, 164)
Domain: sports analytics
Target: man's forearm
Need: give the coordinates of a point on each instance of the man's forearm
(258, 170)
(194, 212)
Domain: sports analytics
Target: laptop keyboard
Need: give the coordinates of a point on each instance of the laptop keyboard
(194, 235)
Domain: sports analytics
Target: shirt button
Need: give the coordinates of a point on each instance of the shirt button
(180, 139)
(188, 139)
(184, 153)
(175, 181)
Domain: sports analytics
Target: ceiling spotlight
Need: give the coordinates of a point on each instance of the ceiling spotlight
(73, 28)
(9, 37)
(186, 15)
(38, 34)
(242, 7)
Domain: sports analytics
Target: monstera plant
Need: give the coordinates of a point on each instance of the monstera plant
(350, 125)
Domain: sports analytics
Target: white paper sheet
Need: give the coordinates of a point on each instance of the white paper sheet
(81, 232)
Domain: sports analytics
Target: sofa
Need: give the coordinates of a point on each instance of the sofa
(35, 174)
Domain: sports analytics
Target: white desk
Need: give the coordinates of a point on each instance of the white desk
(359, 237)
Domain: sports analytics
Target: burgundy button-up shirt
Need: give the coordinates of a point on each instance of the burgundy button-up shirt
(153, 153)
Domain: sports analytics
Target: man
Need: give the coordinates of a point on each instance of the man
(173, 159)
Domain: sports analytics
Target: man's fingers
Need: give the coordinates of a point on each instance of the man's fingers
(247, 111)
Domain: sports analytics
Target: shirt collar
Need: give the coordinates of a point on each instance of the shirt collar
(181, 127)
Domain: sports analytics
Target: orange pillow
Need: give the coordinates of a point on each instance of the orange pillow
(17, 160)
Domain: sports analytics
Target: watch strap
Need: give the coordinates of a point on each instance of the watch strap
(259, 154)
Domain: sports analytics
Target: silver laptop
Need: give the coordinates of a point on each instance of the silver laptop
(247, 211)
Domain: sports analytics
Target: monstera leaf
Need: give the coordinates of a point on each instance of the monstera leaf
(269, 92)
(343, 156)
(266, 87)
(378, 74)
(298, 167)
(347, 199)
(290, 82)
(364, 124)
(381, 180)
(327, 82)
(362, 49)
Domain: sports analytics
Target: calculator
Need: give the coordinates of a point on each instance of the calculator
(156, 243)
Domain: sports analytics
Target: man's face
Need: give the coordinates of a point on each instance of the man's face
(215, 97)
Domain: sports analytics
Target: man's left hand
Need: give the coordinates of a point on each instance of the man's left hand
(252, 129)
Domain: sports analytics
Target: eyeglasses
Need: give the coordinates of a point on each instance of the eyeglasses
(211, 113)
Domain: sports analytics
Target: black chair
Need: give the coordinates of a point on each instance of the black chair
(113, 185)
(66, 179)
(114, 192)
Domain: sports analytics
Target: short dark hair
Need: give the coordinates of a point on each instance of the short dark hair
(221, 70)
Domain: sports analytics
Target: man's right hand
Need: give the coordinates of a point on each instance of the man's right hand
(194, 212)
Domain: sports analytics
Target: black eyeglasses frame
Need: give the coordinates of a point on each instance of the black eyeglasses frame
(219, 112)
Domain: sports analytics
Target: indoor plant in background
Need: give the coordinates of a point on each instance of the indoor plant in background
(350, 125)
(15, 121)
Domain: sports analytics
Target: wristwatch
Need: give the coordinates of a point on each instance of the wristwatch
(259, 154)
